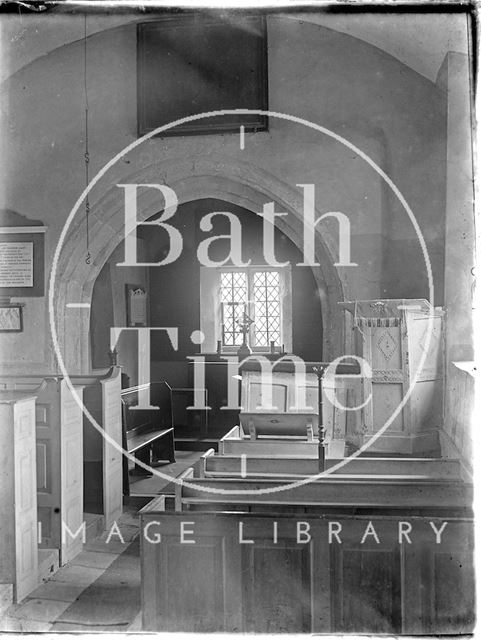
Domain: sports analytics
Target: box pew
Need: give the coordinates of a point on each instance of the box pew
(366, 491)
(244, 573)
(214, 465)
(59, 472)
(102, 449)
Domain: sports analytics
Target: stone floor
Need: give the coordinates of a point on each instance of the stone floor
(89, 593)
(47, 604)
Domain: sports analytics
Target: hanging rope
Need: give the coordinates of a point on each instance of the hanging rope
(86, 154)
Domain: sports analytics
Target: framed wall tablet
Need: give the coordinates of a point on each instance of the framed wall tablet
(11, 318)
(191, 64)
(22, 270)
(136, 300)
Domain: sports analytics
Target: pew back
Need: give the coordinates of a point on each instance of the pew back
(213, 465)
(278, 573)
(103, 450)
(368, 491)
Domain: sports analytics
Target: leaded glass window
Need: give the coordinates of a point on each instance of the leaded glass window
(234, 299)
(258, 294)
(267, 308)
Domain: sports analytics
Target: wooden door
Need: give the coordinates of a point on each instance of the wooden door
(26, 552)
(47, 412)
(112, 455)
(71, 474)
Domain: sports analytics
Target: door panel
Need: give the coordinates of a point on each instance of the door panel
(47, 413)
(25, 499)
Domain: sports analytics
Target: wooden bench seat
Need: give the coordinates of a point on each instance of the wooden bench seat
(136, 442)
(374, 491)
(215, 465)
(148, 434)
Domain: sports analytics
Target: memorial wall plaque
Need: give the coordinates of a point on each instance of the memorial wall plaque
(22, 262)
(16, 264)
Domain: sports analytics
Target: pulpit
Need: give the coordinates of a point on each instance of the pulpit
(393, 336)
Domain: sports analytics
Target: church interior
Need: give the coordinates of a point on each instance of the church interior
(155, 262)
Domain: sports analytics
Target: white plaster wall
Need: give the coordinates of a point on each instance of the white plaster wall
(353, 89)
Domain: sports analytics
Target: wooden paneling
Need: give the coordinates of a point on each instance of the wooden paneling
(58, 419)
(281, 569)
(18, 501)
(391, 335)
(286, 584)
(71, 498)
(448, 606)
(102, 455)
(25, 498)
(206, 596)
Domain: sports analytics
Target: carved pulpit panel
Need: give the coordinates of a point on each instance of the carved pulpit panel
(393, 336)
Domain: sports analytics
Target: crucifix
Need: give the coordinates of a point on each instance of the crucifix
(244, 326)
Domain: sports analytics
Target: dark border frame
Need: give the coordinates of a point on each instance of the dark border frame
(198, 127)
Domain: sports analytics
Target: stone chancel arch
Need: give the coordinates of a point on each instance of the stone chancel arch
(240, 184)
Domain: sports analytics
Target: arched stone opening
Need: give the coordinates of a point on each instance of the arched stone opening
(192, 179)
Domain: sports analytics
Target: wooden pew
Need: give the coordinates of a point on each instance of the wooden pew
(102, 455)
(214, 465)
(367, 491)
(59, 472)
(148, 433)
(245, 573)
